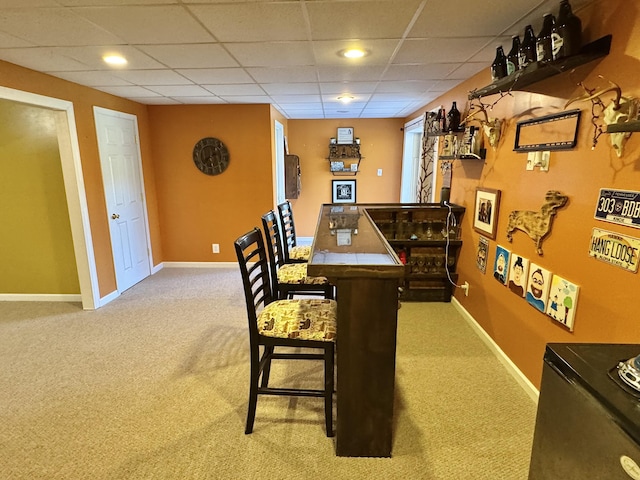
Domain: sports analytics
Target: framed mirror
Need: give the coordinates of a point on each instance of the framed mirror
(558, 131)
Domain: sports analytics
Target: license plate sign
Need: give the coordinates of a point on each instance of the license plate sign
(619, 206)
(615, 248)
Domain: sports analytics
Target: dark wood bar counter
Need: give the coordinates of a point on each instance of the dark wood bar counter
(349, 249)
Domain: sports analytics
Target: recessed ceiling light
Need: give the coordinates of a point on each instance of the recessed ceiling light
(345, 98)
(354, 53)
(116, 60)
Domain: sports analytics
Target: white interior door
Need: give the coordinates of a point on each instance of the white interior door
(124, 192)
(279, 139)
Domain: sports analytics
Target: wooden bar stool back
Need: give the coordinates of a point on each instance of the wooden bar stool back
(303, 323)
(292, 251)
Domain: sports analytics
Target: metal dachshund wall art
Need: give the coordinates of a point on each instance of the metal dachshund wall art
(537, 224)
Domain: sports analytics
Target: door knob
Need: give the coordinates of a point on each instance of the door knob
(115, 215)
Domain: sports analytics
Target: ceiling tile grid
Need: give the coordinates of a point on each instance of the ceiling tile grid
(280, 52)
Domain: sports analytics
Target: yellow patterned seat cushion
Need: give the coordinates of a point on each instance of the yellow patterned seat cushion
(296, 273)
(304, 319)
(300, 252)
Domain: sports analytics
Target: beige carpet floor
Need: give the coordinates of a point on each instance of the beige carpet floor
(154, 386)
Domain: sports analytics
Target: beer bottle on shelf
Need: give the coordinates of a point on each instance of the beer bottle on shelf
(567, 36)
(544, 48)
(499, 65)
(512, 56)
(527, 52)
(454, 118)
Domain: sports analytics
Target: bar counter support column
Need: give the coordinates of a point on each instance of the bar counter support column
(366, 350)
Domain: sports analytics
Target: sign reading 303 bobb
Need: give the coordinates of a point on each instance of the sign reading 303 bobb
(619, 206)
(615, 248)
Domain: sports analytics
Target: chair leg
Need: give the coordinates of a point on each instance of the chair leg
(328, 389)
(253, 393)
(266, 370)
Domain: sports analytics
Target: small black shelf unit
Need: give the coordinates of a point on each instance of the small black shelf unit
(537, 71)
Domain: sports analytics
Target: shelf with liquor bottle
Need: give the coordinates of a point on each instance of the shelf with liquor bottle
(538, 71)
(344, 158)
(458, 142)
(427, 239)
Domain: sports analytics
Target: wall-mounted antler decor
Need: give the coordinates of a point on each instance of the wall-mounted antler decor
(620, 110)
(492, 127)
(537, 224)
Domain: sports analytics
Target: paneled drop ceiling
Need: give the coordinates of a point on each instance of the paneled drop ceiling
(283, 53)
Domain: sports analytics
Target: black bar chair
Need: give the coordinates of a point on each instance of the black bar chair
(303, 323)
(289, 279)
(292, 251)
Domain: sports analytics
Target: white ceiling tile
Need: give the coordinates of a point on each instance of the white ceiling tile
(43, 59)
(410, 86)
(348, 87)
(440, 50)
(199, 100)
(9, 41)
(150, 24)
(375, 19)
(156, 100)
(379, 51)
(354, 74)
(179, 90)
(296, 98)
(235, 89)
(129, 92)
(247, 98)
(92, 79)
(53, 26)
(283, 74)
(271, 53)
(291, 88)
(203, 55)
(92, 57)
(427, 71)
(216, 75)
(249, 22)
(152, 77)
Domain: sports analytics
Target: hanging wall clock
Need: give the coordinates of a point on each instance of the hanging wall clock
(211, 156)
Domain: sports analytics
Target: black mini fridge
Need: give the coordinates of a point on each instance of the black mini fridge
(588, 420)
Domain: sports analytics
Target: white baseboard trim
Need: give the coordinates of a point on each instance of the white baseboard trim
(40, 297)
(511, 367)
(156, 268)
(200, 264)
(108, 298)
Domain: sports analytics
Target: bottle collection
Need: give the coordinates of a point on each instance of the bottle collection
(559, 37)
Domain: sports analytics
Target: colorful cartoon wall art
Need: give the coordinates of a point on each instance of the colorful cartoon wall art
(563, 297)
(538, 287)
(518, 274)
(501, 264)
(482, 254)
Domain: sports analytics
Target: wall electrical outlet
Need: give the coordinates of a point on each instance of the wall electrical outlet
(379, 172)
(215, 247)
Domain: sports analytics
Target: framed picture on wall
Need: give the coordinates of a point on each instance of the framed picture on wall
(485, 211)
(343, 191)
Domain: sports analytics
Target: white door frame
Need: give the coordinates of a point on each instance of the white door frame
(74, 189)
(279, 180)
(411, 155)
(134, 119)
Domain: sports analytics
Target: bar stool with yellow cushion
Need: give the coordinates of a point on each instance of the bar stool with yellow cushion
(302, 323)
(289, 279)
(292, 252)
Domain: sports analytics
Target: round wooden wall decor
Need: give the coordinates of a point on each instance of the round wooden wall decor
(211, 156)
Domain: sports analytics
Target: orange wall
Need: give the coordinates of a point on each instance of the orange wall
(83, 99)
(607, 301)
(380, 146)
(197, 210)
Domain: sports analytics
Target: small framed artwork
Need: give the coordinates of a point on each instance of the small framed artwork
(563, 297)
(482, 254)
(538, 287)
(485, 212)
(518, 274)
(343, 191)
(501, 264)
(345, 135)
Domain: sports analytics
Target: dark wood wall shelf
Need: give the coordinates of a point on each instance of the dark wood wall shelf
(536, 71)
(631, 126)
(346, 154)
(419, 235)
